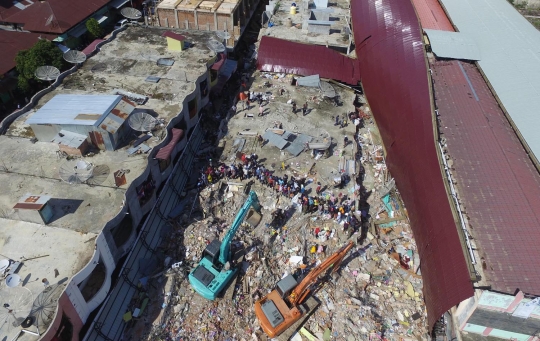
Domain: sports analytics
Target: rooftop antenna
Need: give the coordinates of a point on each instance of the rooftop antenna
(15, 306)
(76, 171)
(142, 121)
(100, 173)
(47, 73)
(74, 57)
(223, 35)
(215, 46)
(131, 13)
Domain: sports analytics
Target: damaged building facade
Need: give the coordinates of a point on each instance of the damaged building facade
(231, 16)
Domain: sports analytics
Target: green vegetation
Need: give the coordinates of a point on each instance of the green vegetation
(42, 53)
(94, 30)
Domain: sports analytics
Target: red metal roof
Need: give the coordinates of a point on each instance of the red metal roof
(174, 36)
(432, 15)
(394, 77)
(12, 42)
(497, 182)
(166, 151)
(277, 55)
(52, 16)
(90, 48)
(220, 59)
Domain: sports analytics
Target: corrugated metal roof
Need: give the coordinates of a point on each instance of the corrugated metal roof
(12, 42)
(53, 16)
(432, 15)
(90, 48)
(166, 151)
(454, 45)
(112, 121)
(68, 138)
(497, 182)
(74, 109)
(278, 55)
(510, 48)
(275, 139)
(394, 77)
(312, 81)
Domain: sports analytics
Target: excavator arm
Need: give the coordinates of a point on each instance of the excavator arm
(225, 249)
(300, 292)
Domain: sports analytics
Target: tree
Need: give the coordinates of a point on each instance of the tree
(42, 53)
(93, 28)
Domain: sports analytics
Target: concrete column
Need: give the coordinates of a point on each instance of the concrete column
(196, 19)
(215, 21)
(176, 18)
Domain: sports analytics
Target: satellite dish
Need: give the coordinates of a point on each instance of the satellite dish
(223, 35)
(4, 263)
(131, 13)
(99, 175)
(215, 46)
(13, 280)
(47, 73)
(76, 171)
(15, 307)
(74, 57)
(142, 121)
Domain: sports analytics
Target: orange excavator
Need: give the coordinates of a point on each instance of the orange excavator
(282, 307)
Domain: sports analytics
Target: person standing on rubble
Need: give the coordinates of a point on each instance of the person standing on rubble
(294, 107)
(304, 109)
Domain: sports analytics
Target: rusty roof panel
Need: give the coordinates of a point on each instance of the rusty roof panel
(394, 77)
(277, 55)
(432, 15)
(497, 182)
(166, 151)
(116, 117)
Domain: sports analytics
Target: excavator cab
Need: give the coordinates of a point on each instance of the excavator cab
(211, 253)
(284, 288)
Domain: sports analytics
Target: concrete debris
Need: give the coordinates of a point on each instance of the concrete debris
(376, 294)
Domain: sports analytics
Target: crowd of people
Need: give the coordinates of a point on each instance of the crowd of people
(326, 204)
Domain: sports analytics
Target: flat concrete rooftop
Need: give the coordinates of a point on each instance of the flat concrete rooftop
(80, 211)
(46, 252)
(126, 61)
(33, 168)
(337, 14)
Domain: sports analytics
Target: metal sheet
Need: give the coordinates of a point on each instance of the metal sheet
(394, 77)
(277, 55)
(112, 121)
(152, 79)
(312, 81)
(455, 45)
(70, 139)
(432, 15)
(497, 182)
(64, 109)
(510, 48)
(274, 139)
(166, 151)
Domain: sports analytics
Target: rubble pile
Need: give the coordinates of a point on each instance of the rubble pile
(376, 294)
